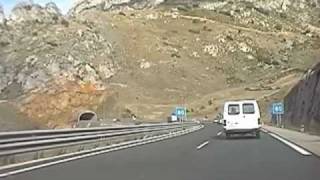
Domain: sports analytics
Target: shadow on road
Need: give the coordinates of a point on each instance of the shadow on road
(234, 137)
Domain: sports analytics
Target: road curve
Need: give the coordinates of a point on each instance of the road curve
(180, 159)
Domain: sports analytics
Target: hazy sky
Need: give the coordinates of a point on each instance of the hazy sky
(64, 5)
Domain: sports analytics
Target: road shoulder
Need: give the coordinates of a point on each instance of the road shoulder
(307, 141)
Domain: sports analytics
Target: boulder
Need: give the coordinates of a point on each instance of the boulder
(145, 64)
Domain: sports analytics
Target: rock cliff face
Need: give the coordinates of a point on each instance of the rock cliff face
(106, 5)
(26, 11)
(302, 104)
(263, 5)
(43, 55)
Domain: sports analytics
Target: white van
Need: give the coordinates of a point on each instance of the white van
(241, 117)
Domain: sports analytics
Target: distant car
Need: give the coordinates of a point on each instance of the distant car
(173, 118)
(218, 119)
(242, 117)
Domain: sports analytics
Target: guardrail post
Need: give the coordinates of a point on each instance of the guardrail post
(62, 151)
(81, 148)
(96, 145)
(39, 155)
(8, 160)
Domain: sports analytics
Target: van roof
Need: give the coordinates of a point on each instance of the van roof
(241, 101)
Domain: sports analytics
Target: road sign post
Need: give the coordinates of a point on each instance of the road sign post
(278, 111)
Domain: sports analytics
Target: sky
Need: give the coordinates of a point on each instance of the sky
(64, 5)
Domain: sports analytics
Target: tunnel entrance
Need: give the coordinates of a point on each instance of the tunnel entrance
(87, 116)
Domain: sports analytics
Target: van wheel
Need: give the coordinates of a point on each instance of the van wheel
(258, 134)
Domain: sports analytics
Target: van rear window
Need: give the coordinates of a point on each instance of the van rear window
(233, 109)
(248, 108)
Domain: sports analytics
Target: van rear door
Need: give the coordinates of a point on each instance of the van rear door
(233, 115)
(249, 115)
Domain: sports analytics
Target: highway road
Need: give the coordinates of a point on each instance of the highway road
(180, 159)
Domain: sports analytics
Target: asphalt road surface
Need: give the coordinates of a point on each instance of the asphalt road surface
(179, 159)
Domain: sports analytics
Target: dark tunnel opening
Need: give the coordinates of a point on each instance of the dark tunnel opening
(88, 116)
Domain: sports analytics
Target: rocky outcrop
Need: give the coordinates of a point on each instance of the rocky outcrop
(41, 54)
(2, 16)
(83, 62)
(106, 5)
(55, 109)
(267, 5)
(302, 104)
(253, 11)
(52, 8)
(29, 12)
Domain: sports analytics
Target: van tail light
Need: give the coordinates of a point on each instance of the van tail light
(224, 122)
(259, 121)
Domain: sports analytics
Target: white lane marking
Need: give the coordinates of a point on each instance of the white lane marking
(219, 133)
(293, 146)
(202, 145)
(92, 153)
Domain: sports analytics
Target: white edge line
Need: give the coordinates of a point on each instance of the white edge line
(293, 146)
(219, 133)
(152, 139)
(202, 145)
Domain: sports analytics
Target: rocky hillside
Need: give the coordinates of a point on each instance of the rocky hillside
(50, 64)
(302, 103)
(109, 5)
(144, 57)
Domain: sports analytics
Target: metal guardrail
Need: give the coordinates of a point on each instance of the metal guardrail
(73, 130)
(19, 163)
(36, 140)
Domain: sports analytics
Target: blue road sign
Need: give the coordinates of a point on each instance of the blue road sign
(181, 112)
(277, 108)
